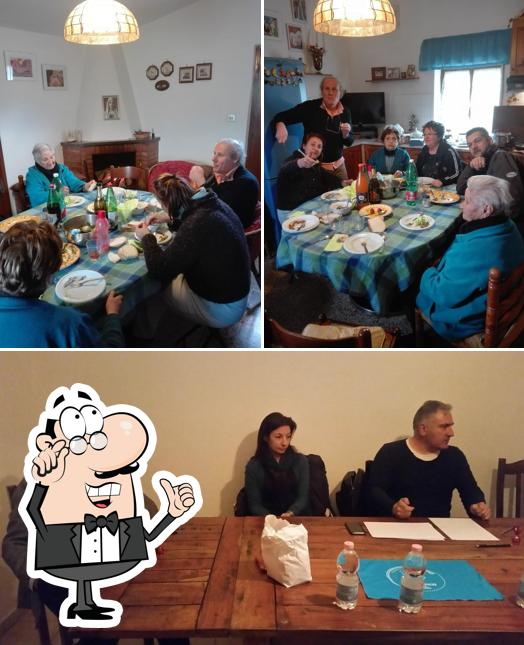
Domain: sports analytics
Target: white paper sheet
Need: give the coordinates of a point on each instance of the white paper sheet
(462, 528)
(404, 530)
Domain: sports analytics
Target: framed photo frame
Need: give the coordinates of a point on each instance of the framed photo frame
(393, 73)
(186, 74)
(298, 10)
(167, 68)
(152, 72)
(271, 26)
(54, 77)
(411, 71)
(295, 37)
(204, 71)
(19, 66)
(378, 73)
(111, 108)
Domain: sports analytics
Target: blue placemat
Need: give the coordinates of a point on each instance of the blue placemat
(445, 580)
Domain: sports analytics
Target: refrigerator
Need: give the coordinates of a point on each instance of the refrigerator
(284, 87)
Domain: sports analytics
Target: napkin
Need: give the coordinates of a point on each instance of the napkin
(297, 214)
(335, 243)
(377, 224)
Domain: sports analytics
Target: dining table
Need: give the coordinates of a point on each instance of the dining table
(378, 277)
(208, 582)
(127, 277)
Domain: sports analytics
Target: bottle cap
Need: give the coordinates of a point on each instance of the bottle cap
(51, 186)
(100, 214)
(349, 545)
(416, 547)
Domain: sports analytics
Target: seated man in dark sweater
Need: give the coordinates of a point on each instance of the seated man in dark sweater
(233, 183)
(416, 476)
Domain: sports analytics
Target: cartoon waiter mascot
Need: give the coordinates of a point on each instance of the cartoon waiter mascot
(84, 505)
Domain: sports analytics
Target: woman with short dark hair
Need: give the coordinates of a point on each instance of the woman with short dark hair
(277, 476)
(437, 158)
(30, 253)
(390, 159)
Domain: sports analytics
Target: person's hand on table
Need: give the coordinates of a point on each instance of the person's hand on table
(402, 509)
(477, 163)
(306, 162)
(480, 510)
(437, 183)
(287, 515)
(196, 176)
(155, 218)
(89, 186)
(345, 129)
(281, 132)
(114, 303)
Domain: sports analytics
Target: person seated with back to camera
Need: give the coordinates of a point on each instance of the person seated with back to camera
(40, 175)
(302, 177)
(207, 262)
(453, 295)
(488, 159)
(30, 253)
(277, 476)
(231, 181)
(438, 159)
(416, 477)
(390, 159)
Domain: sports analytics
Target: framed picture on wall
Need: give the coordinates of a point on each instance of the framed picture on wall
(186, 74)
(295, 37)
(111, 108)
(393, 73)
(298, 10)
(271, 26)
(203, 71)
(19, 66)
(378, 73)
(54, 77)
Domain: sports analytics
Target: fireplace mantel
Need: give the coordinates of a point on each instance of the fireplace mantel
(78, 155)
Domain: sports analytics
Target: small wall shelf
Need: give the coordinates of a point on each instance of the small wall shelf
(386, 80)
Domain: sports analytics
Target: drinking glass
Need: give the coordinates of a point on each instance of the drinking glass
(92, 251)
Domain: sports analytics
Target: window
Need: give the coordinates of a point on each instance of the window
(466, 97)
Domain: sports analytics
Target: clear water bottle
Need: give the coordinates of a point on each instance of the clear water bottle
(520, 592)
(347, 579)
(102, 233)
(411, 184)
(412, 583)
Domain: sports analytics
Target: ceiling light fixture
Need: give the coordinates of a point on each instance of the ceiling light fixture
(354, 17)
(101, 22)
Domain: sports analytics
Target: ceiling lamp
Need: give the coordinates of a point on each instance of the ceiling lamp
(101, 22)
(354, 17)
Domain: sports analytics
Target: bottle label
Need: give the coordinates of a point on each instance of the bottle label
(411, 195)
(345, 593)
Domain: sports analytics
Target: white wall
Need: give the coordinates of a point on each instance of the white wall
(189, 118)
(207, 406)
(351, 59)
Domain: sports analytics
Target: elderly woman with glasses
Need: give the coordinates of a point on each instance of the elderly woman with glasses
(329, 116)
(437, 158)
(40, 175)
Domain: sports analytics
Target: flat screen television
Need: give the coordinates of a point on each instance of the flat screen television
(366, 107)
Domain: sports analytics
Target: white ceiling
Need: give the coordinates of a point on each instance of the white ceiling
(49, 16)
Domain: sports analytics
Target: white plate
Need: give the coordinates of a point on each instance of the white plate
(163, 237)
(310, 222)
(407, 222)
(80, 294)
(425, 181)
(74, 200)
(334, 195)
(355, 243)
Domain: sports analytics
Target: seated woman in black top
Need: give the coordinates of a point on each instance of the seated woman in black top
(277, 477)
(207, 262)
(437, 158)
(302, 177)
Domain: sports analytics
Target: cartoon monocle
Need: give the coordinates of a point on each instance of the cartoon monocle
(84, 505)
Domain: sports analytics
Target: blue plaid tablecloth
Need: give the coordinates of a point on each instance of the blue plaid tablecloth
(129, 277)
(381, 276)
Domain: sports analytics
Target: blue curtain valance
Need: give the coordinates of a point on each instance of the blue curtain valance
(468, 50)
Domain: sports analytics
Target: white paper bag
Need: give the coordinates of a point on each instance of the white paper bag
(285, 551)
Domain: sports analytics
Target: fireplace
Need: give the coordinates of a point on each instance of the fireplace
(86, 157)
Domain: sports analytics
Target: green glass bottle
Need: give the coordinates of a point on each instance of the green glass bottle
(60, 193)
(54, 209)
(111, 203)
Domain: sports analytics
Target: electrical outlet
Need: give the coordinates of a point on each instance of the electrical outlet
(231, 117)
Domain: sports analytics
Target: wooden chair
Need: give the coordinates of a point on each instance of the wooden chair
(254, 242)
(124, 177)
(504, 323)
(516, 468)
(288, 338)
(20, 195)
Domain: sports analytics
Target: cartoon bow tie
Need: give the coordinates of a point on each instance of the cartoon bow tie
(91, 522)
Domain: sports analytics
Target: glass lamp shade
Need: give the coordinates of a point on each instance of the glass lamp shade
(354, 17)
(101, 22)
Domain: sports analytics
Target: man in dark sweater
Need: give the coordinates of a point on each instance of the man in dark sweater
(233, 183)
(416, 476)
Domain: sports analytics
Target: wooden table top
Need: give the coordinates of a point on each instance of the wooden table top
(206, 583)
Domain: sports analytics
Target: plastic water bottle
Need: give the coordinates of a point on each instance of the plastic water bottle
(520, 592)
(102, 232)
(412, 583)
(411, 184)
(347, 579)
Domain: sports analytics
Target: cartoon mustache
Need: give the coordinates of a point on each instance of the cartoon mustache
(125, 470)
